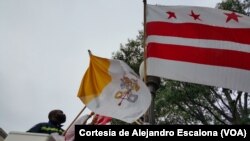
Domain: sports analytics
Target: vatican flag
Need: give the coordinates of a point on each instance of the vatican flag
(111, 88)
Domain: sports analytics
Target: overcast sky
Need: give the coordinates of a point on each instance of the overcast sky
(43, 51)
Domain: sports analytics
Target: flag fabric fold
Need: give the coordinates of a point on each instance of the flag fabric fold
(199, 45)
(101, 120)
(111, 88)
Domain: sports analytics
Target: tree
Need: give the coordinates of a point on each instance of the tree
(186, 103)
(131, 52)
(240, 6)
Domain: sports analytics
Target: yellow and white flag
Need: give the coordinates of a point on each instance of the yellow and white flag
(111, 88)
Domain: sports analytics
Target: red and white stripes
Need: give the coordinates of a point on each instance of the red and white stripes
(199, 45)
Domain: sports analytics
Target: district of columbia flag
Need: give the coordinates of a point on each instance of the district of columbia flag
(199, 45)
(111, 88)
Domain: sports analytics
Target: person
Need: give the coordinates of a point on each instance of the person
(54, 125)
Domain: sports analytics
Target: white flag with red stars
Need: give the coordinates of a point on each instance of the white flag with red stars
(199, 45)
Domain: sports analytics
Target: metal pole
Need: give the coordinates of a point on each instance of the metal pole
(153, 84)
(151, 81)
(151, 114)
(74, 120)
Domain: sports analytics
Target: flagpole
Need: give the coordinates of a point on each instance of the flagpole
(74, 120)
(148, 114)
(90, 53)
(144, 39)
(89, 116)
(137, 122)
(151, 81)
(145, 52)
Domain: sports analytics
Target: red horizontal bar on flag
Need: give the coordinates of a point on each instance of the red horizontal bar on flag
(208, 56)
(199, 31)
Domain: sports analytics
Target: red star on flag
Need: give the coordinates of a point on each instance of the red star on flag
(232, 16)
(171, 15)
(199, 43)
(195, 16)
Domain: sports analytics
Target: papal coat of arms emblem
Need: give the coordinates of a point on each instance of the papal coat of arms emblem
(128, 88)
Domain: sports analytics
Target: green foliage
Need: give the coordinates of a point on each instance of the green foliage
(131, 52)
(234, 5)
(175, 103)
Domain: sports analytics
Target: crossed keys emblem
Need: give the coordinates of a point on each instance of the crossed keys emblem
(128, 85)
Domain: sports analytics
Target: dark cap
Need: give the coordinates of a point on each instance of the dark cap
(57, 116)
